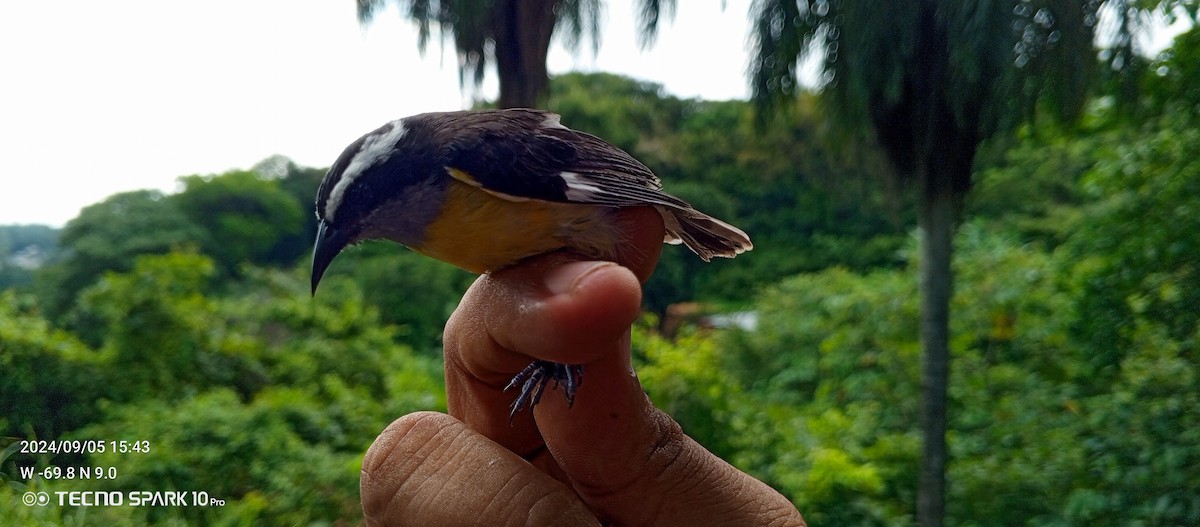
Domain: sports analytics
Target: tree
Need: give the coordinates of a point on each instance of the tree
(24, 248)
(514, 35)
(298, 182)
(47, 387)
(775, 180)
(246, 216)
(138, 315)
(930, 81)
(1137, 248)
(109, 236)
(1172, 85)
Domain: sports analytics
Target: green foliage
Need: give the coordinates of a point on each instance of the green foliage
(235, 218)
(805, 207)
(1034, 190)
(24, 248)
(1073, 397)
(1141, 439)
(46, 387)
(266, 470)
(108, 236)
(247, 217)
(834, 464)
(163, 335)
(300, 183)
(153, 323)
(391, 277)
(1172, 83)
(833, 366)
(16, 237)
(623, 111)
(1138, 246)
(685, 379)
(1138, 325)
(806, 321)
(266, 397)
(1012, 440)
(334, 346)
(930, 82)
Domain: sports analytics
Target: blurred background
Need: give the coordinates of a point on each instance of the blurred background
(974, 297)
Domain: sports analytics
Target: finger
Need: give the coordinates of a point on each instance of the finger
(505, 321)
(633, 465)
(624, 457)
(549, 308)
(552, 304)
(430, 469)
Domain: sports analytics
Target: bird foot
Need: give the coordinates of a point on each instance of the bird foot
(533, 380)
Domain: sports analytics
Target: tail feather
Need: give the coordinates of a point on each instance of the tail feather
(705, 235)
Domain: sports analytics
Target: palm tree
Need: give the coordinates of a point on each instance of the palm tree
(514, 35)
(930, 80)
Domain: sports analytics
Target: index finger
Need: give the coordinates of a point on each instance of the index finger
(551, 307)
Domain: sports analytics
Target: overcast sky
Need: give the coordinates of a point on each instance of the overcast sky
(99, 97)
(104, 97)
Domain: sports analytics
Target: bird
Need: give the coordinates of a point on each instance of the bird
(485, 189)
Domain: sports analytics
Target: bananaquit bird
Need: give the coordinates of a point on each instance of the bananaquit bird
(484, 189)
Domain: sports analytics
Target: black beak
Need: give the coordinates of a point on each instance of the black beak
(330, 242)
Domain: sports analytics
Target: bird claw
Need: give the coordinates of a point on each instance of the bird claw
(533, 380)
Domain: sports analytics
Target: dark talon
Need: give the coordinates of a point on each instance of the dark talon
(534, 378)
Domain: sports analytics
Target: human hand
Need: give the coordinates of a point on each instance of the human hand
(612, 458)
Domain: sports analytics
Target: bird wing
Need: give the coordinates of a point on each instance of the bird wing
(528, 154)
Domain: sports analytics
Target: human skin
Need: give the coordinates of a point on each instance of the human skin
(610, 459)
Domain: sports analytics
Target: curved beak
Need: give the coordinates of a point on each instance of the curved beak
(329, 243)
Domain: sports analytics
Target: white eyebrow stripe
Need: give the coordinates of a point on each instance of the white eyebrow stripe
(375, 148)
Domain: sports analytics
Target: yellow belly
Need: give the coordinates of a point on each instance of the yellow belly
(479, 232)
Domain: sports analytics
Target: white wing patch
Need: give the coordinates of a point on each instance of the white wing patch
(374, 149)
(579, 189)
(671, 223)
(552, 121)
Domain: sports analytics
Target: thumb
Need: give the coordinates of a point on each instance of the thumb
(428, 468)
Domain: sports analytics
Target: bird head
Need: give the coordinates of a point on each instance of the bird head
(383, 185)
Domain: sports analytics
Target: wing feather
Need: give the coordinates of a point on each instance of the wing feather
(527, 154)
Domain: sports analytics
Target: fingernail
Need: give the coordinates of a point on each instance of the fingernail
(564, 278)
